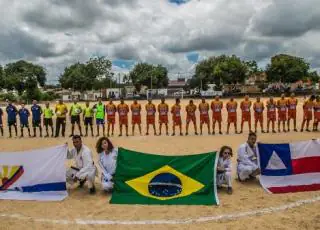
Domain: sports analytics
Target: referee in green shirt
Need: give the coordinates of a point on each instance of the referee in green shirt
(47, 119)
(74, 113)
(88, 118)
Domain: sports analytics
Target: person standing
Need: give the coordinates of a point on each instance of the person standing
(123, 110)
(292, 112)
(111, 110)
(36, 111)
(74, 114)
(191, 117)
(245, 106)
(271, 114)
(24, 115)
(47, 119)
(1, 122)
(316, 109)
(151, 116)
(12, 113)
(61, 111)
(176, 117)
(258, 108)
(224, 169)
(282, 112)
(88, 118)
(84, 169)
(248, 167)
(232, 107)
(204, 115)
(136, 116)
(216, 107)
(163, 110)
(100, 113)
(107, 162)
(307, 113)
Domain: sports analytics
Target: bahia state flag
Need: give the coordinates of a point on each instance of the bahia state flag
(34, 175)
(166, 180)
(293, 167)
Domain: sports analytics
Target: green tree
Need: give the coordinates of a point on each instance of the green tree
(22, 75)
(152, 76)
(287, 68)
(1, 78)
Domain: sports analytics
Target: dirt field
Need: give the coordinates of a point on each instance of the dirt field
(246, 197)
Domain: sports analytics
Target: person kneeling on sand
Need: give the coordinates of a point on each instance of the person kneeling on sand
(224, 168)
(248, 167)
(84, 171)
(107, 162)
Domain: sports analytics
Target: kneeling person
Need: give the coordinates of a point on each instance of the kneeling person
(84, 171)
(107, 162)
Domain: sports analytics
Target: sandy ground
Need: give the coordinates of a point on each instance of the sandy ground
(246, 197)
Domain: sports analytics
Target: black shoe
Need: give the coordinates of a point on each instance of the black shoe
(229, 190)
(81, 183)
(92, 190)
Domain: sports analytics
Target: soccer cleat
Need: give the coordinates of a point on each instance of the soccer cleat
(92, 190)
(229, 190)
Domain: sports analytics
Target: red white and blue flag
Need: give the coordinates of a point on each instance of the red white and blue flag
(293, 167)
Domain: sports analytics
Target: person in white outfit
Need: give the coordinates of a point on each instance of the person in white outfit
(224, 168)
(248, 167)
(84, 170)
(107, 162)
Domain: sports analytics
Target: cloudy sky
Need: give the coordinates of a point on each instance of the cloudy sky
(175, 33)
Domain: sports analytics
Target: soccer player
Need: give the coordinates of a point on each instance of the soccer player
(191, 117)
(232, 106)
(88, 118)
(151, 116)
(163, 110)
(24, 119)
(316, 109)
(61, 111)
(111, 110)
(12, 113)
(36, 111)
(176, 117)
(292, 112)
(271, 114)
(123, 110)
(216, 107)
(74, 114)
(307, 113)
(204, 115)
(245, 106)
(100, 112)
(258, 108)
(47, 119)
(1, 122)
(136, 116)
(282, 112)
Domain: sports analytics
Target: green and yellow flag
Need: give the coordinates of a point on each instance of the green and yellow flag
(154, 179)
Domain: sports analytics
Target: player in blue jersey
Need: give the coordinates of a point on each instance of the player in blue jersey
(24, 115)
(12, 117)
(1, 123)
(36, 118)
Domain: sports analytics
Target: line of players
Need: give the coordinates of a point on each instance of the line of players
(286, 108)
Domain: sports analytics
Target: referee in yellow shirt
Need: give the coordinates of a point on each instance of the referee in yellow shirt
(61, 112)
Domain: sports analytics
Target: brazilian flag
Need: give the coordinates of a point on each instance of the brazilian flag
(169, 180)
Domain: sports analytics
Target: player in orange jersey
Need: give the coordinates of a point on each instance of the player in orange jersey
(282, 112)
(307, 113)
(191, 117)
(123, 110)
(232, 106)
(316, 109)
(151, 116)
(163, 110)
(258, 108)
(111, 110)
(176, 117)
(245, 107)
(204, 115)
(136, 116)
(271, 114)
(216, 107)
(292, 111)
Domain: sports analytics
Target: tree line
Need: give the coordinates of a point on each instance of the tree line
(96, 73)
